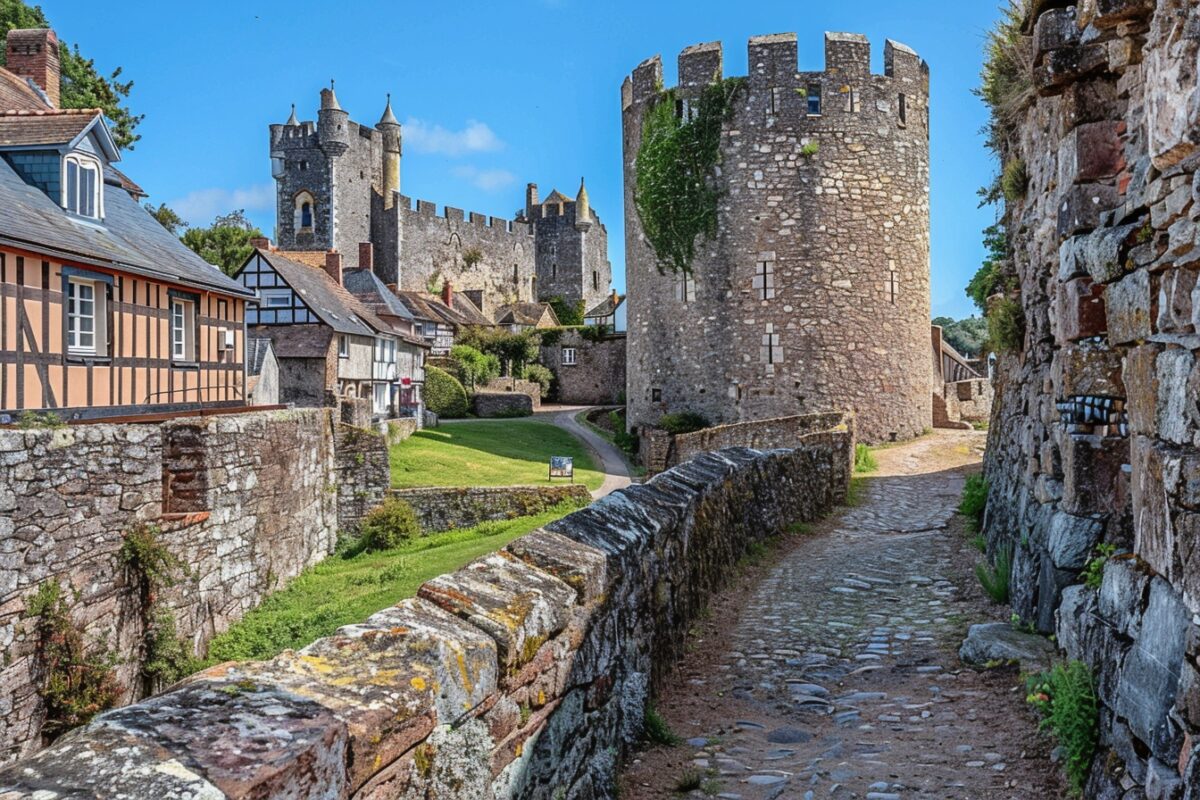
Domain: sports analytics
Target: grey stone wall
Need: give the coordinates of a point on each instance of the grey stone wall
(448, 508)
(246, 501)
(1095, 431)
(524, 674)
(363, 472)
(570, 263)
(598, 375)
(533, 390)
(845, 230)
(501, 404)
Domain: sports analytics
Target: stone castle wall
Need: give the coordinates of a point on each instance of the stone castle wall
(246, 501)
(523, 675)
(1095, 432)
(598, 375)
(843, 228)
(448, 508)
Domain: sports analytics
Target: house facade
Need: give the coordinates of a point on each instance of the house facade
(103, 312)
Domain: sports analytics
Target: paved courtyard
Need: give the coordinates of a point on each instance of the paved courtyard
(831, 670)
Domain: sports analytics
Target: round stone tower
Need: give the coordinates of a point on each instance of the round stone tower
(814, 293)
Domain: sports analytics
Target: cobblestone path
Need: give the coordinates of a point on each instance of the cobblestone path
(836, 675)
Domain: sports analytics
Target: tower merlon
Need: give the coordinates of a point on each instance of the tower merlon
(847, 54)
(902, 62)
(647, 79)
(773, 59)
(701, 65)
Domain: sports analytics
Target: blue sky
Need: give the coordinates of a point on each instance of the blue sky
(493, 94)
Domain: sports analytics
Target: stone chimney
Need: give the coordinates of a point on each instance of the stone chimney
(333, 265)
(448, 294)
(33, 53)
(615, 298)
(366, 255)
(531, 199)
(260, 243)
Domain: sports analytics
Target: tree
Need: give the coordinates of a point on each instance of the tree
(167, 218)
(226, 242)
(472, 366)
(514, 350)
(82, 86)
(989, 279)
(568, 313)
(968, 336)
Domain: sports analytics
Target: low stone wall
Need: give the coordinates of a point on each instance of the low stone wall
(447, 508)
(534, 390)
(661, 450)
(245, 501)
(524, 674)
(966, 402)
(501, 404)
(397, 430)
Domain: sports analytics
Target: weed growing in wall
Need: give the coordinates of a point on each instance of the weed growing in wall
(35, 420)
(75, 685)
(995, 579)
(675, 196)
(974, 500)
(1093, 572)
(683, 422)
(1006, 325)
(165, 657)
(471, 257)
(1066, 698)
(864, 459)
(1014, 180)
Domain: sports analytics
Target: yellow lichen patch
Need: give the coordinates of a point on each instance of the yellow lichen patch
(319, 664)
(418, 683)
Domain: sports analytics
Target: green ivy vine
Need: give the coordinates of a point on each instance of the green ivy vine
(674, 194)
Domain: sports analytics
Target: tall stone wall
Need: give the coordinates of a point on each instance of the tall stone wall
(597, 377)
(1096, 427)
(524, 674)
(834, 206)
(245, 501)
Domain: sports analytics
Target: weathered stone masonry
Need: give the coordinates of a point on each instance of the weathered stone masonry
(524, 674)
(1095, 434)
(815, 294)
(448, 508)
(246, 501)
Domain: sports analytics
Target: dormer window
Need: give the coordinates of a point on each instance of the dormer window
(82, 186)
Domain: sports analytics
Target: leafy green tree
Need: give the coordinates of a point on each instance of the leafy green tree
(226, 242)
(967, 336)
(472, 366)
(568, 313)
(514, 350)
(989, 279)
(82, 86)
(167, 218)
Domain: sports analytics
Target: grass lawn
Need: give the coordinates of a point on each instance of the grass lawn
(489, 454)
(345, 589)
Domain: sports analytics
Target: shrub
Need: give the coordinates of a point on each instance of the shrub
(76, 686)
(473, 367)
(1066, 698)
(444, 395)
(1014, 180)
(568, 313)
(472, 256)
(995, 579)
(31, 420)
(657, 731)
(151, 565)
(974, 500)
(628, 442)
(389, 525)
(1006, 325)
(168, 658)
(540, 375)
(864, 459)
(811, 149)
(683, 422)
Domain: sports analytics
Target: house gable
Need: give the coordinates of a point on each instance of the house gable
(278, 304)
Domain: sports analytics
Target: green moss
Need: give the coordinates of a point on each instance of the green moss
(674, 194)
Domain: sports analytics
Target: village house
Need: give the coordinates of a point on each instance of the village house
(103, 312)
(519, 317)
(609, 314)
(328, 345)
(443, 317)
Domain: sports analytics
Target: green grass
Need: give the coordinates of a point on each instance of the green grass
(489, 454)
(864, 459)
(347, 588)
(995, 579)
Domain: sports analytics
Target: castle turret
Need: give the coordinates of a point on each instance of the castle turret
(333, 124)
(531, 199)
(583, 209)
(389, 126)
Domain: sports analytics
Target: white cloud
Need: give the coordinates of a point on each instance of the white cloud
(424, 137)
(489, 180)
(202, 206)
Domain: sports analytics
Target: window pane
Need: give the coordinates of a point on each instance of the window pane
(72, 186)
(87, 192)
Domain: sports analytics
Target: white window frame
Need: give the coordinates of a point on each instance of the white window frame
(75, 287)
(183, 337)
(343, 346)
(569, 356)
(269, 296)
(75, 204)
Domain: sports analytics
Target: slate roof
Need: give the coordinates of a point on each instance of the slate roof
(605, 308)
(127, 239)
(525, 313)
(557, 197)
(425, 305)
(330, 301)
(465, 307)
(257, 348)
(297, 341)
(366, 285)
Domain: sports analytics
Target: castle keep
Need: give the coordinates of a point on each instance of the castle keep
(814, 294)
(338, 186)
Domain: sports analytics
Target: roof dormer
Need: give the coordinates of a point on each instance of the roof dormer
(62, 153)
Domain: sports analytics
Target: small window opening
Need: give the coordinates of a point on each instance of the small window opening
(656, 395)
(903, 110)
(814, 99)
(764, 280)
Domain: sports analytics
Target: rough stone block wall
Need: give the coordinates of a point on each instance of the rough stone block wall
(1095, 431)
(835, 204)
(447, 508)
(598, 375)
(534, 390)
(501, 404)
(764, 434)
(965, 402)
(524, 674)
(261, 505)
(364, 473)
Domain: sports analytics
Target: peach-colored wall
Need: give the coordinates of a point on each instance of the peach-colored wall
(139, 375)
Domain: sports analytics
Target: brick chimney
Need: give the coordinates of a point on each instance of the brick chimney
(33, 53)
(333, 265)
(448, 294)
(366, 255)
(260, 243)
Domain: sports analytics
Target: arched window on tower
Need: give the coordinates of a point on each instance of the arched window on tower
(304, 212)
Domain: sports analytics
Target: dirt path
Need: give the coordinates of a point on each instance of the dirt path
(830, 670)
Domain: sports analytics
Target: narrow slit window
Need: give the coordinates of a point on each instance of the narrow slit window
(595, 280)
(776, 100)
(903, 110)
(771, 352)
(894, 286)
(814, 99)
(764, 280)
(853, 101)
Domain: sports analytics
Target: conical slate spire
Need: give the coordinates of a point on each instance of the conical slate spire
(329, 101)
(388, 117)
(583, 208)
(292, 119)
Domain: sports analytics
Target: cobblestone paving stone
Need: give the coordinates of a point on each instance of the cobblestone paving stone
(840, 678)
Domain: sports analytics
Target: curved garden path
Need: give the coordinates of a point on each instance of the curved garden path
(829, 670)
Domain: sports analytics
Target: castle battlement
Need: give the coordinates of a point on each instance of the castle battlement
(774, 63)
(425, 208)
